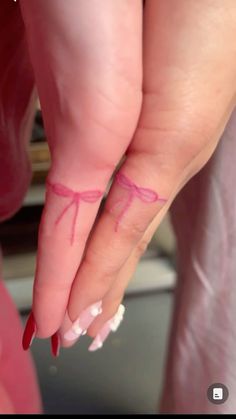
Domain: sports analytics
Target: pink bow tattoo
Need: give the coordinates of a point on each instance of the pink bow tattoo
(144, 194)
(75, 198)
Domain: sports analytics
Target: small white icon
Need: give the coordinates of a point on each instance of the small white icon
(217, 393)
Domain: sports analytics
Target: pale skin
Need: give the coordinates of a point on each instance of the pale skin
(158, 83)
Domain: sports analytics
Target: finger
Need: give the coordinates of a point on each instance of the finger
(111, 301)
(124, 237)
(114, 296)
(167, 148)
(100, 326)
(101, 110)
(110, 326)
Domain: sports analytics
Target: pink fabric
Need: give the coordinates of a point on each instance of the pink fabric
(18, 386)
(17, 99)
(202, 347)
(6, 406)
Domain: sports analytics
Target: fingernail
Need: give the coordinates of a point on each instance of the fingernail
(110, 326)
(29, 332)
(55, 344)
(80, 325)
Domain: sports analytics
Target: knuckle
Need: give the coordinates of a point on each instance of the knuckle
(129, 229)
(183, 128)
(132, 230)
(96, 257)
(177, 147)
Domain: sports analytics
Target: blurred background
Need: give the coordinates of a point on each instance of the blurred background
(124, 377)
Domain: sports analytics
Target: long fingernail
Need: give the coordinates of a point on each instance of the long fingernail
(55, 344)
(29, 332)
(80, 325)
(110, 326)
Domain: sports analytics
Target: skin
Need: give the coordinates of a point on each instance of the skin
(164, 98)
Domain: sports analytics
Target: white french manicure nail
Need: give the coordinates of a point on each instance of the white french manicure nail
(96, 344)
(81, 324)
(95, 310)
(110, 325)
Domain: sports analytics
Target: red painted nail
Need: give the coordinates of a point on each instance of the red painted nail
(29, 333)
(55, 344)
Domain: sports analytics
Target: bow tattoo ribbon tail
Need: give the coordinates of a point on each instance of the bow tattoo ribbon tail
(143, 194)
(75, 198)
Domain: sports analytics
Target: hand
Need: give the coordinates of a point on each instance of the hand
(188, 96)
(88, 69)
